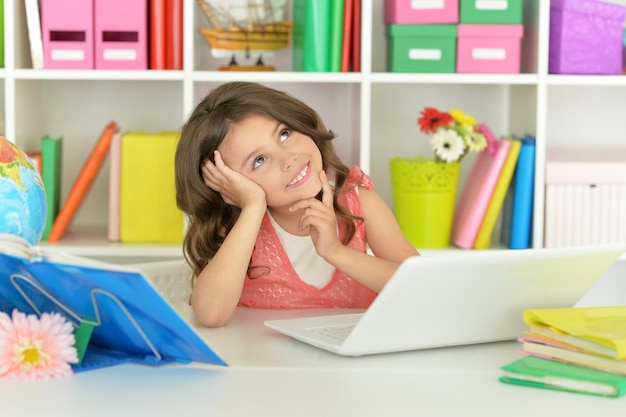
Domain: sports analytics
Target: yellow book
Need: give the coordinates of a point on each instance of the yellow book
(600, 330)
(483, 238)
(148, 211)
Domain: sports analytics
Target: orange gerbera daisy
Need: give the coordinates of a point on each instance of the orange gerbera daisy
(432, 119)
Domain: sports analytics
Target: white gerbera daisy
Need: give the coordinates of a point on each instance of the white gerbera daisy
(447, 144)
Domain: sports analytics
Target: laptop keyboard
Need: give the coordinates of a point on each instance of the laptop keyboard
(339, 332)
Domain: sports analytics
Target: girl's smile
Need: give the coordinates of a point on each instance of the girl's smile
(302, 175)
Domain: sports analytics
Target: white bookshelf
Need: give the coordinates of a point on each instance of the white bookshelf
(373, 112)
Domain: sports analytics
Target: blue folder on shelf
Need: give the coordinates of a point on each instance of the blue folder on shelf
(518, 213)
(132, 321)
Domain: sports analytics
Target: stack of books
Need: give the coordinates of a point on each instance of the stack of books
(579, 350)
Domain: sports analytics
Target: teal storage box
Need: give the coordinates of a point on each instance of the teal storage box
(491, 11)
(421, 48)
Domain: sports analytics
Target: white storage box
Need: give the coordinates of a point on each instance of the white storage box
(585, 197)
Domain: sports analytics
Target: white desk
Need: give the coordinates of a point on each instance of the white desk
(272, 375)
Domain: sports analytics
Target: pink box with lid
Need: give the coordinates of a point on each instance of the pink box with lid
(67, 34)
(489, 48)
(121, 40)
(585, 197)
(421, 11)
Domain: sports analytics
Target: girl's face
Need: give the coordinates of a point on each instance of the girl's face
(286, 164)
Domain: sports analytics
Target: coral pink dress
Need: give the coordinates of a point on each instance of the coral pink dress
(275, 284)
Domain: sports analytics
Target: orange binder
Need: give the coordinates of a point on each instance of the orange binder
(83, 182)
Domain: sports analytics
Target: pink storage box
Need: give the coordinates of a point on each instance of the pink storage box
(585, 197)
(421, 11)
(121, 36)
(585, 37)
(67, 32)
(489, 48)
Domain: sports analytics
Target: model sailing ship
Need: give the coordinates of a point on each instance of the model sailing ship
(250, 27)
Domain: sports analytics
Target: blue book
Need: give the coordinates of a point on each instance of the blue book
(129, 320)
(518, 213)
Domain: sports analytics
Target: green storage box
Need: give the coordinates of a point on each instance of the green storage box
(421, 48)
(496, 11)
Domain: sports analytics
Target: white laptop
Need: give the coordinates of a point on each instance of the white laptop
(459, 298)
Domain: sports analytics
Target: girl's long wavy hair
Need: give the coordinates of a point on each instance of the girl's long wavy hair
(210, 219)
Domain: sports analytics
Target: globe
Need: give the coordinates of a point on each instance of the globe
(22, 195)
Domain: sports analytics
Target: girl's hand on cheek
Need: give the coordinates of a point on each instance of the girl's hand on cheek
(320, 218)
(235, 188)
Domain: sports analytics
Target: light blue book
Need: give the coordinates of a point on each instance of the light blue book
(518, 213)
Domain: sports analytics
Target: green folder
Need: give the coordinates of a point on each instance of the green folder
(336, 35)
(312, 35)
(51, 166)
(543, 373)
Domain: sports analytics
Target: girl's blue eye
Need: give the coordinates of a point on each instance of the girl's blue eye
(258, 161)
(284, 135)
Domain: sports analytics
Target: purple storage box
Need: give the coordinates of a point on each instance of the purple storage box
(585, 37)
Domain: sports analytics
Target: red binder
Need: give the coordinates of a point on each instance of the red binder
(356, 37)
(174, 34)
(157, 34)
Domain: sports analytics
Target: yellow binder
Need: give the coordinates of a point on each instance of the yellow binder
(148, 211)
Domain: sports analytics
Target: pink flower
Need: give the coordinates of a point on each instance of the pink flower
(36, 348)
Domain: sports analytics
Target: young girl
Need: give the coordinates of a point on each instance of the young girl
(275, 219)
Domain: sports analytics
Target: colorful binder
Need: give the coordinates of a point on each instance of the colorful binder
(84, 180)
(115, 157)
(336, 34)
(121, 40)
(483, 239)
(132, 321)
(347, 40)
(67, 31)
(148, 211)
(356, 37)
(174, 35)
(51, 169)
(518, 220)
(157, 35)
(477, 193)
(312, 35)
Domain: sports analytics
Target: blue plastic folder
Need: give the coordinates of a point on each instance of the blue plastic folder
(132, 321)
